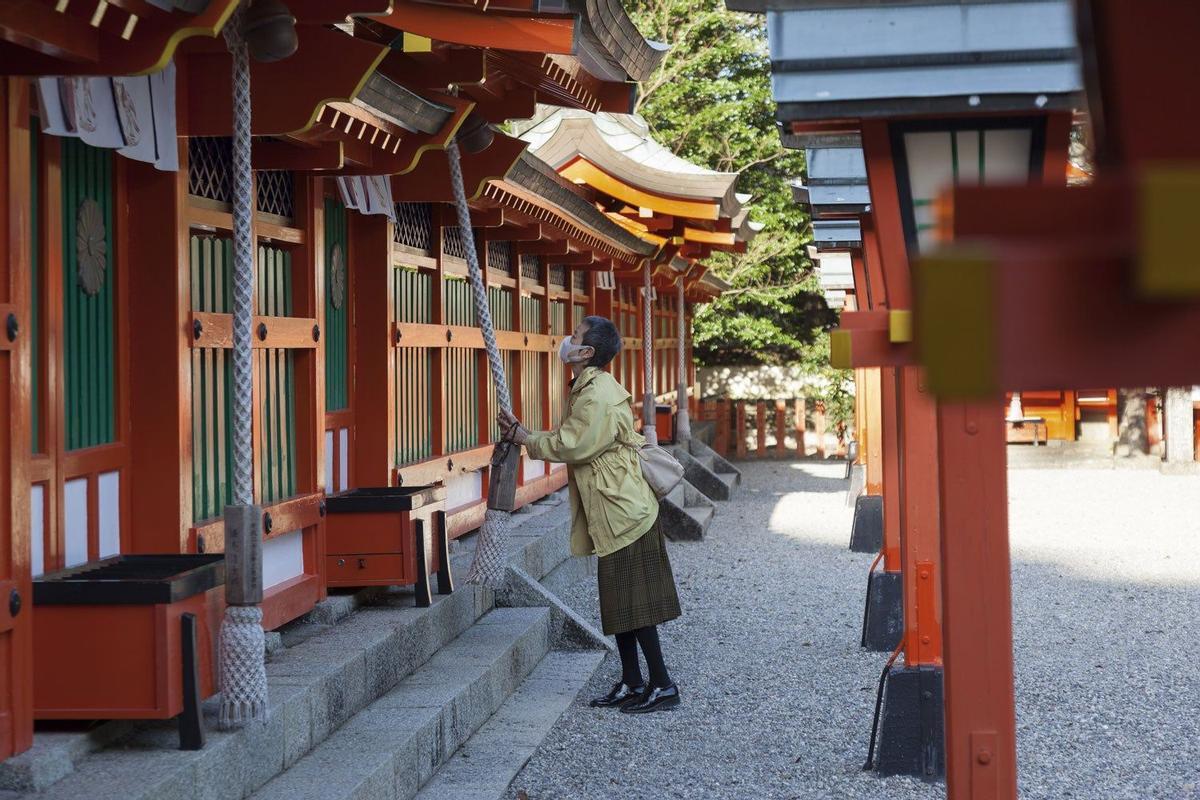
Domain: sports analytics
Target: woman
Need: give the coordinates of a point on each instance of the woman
(614, 514)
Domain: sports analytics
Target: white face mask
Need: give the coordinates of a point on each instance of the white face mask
(567, 349)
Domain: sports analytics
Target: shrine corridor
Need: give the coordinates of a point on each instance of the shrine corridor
(778, 695)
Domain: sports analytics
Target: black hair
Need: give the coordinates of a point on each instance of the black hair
(604, 338)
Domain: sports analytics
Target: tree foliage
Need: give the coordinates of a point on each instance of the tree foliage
(710, 102)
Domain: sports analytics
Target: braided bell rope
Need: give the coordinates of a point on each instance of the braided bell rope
(242, 670)
(683, 422)
(648, 429)
(243, 267)
(488, 568)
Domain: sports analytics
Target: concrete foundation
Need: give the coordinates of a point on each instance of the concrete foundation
(866, 532)
(883, 619)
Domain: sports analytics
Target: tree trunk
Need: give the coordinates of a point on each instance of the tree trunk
(1132, 435)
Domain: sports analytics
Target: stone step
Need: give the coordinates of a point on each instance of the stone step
(701, 472)
(486, 764)
(349, 651)
(702, 515)
(395, 744)
(719, 463)
(682, 513)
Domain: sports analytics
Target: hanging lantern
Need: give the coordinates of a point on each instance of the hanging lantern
(270, 31)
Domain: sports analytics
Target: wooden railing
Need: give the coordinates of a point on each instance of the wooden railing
(769, 428)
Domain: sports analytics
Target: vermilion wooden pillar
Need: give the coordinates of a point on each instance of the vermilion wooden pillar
(981, 749)
(920, 554)
(872, 412)
(370, 252)
(889, 416)
(160, 362)
(16, 629)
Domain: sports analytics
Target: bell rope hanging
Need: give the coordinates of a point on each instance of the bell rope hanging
(488, 567)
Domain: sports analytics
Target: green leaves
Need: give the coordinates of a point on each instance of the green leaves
(710, 102)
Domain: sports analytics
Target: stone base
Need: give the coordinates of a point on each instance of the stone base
(858, 483)
(883, 620)
(866, 533)
(911, 734)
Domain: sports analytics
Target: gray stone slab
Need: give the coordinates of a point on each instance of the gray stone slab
(488, 761)
(395, 743)
(351, 650)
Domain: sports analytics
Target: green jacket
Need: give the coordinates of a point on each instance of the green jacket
(611, 503)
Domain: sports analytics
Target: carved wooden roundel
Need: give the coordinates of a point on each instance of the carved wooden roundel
(337, 277)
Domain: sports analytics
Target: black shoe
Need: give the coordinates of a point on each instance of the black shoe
(654, 699)
(621, 693)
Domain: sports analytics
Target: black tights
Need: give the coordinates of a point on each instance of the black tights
(631, 671)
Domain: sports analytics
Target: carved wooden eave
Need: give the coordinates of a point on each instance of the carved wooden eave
(117, 37)
(374, 145)
(503, 29)
(611, 48)
(547, 198)
(328, 67)
(429, 180)
(620, 147)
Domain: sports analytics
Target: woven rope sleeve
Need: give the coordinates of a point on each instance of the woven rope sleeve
(683, 424)
(489, 566)
(481, 301)
(648, 429)
(243, 268)
(242, 668)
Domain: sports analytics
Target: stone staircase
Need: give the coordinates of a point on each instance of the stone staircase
(707, 470)
(685, 513)
(369, 698)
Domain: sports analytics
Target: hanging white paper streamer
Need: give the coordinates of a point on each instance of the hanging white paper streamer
(162, 96)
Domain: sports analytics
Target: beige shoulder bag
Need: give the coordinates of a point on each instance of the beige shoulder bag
(660, 469)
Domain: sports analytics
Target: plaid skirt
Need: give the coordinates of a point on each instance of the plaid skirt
(637, 588)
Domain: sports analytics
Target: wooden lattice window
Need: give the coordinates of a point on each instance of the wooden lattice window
(276, 192)
(499, 257)
(531, 268)
(414, 224)
(558, 277)
(453, 244)
(210, 168)
(579, 281)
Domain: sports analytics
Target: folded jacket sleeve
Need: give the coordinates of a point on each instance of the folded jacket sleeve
(587, 432)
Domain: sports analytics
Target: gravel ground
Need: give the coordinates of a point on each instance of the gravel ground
(778, 696)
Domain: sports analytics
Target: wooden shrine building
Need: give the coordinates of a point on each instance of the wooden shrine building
(369, 368)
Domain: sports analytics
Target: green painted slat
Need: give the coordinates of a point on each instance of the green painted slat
(412, 294)
(337, 396)
(88, 320)
(211, 258)
(277, 472)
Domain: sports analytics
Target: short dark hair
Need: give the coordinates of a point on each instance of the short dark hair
(604, 338)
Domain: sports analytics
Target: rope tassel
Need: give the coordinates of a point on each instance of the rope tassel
(489, 565)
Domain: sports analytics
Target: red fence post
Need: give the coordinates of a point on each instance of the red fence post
(780, 429)
(800, 422)
(740, 429)
(819, 425)
(760, 426)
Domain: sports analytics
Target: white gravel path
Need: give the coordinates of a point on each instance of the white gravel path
(778, 696)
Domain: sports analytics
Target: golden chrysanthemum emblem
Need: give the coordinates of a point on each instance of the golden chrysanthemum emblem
(337, 276)
(91, 246)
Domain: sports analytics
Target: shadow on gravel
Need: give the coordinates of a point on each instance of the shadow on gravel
(778, 695)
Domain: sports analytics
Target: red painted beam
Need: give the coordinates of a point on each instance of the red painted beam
(1046, 317)
(863, 339)
(503, 29)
